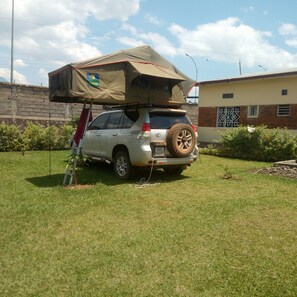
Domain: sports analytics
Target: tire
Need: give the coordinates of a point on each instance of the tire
(181, 140)
(122, 165)
(176, 170)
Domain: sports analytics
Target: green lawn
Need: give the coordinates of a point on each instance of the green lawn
(196, 235)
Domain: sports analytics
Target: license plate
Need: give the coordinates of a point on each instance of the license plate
(159, 151)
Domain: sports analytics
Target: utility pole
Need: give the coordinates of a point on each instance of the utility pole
(196, 78)
(12, 41)
(240, 67)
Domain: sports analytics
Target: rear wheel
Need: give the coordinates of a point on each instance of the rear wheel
(122, 165)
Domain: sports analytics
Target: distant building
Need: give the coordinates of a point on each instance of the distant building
(269, 98)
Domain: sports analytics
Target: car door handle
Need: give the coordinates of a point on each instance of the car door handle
(98, 134)
(115, 134)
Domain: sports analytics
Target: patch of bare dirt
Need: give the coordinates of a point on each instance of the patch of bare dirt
(78, 187)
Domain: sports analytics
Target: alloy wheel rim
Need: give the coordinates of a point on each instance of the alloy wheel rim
(184, 139)
(122, 166)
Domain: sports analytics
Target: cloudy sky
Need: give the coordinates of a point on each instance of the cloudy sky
(216, 34)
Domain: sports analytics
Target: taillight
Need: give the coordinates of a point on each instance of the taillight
(194, 128)
(146, 127)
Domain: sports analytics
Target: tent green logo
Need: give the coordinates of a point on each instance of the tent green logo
(94, 79)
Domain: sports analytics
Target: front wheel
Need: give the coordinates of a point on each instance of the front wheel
(122, 165)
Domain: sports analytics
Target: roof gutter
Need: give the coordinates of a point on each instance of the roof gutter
(248, 77)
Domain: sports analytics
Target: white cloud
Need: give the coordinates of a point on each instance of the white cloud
(19, 63)
(229, 40)
(120, 9)
(55, 11)
(292, 42)
(153, 19)
(129, 28)
(290, 31)
(43, 73)
(17, 77)
(130, 41)
(158, 42)
(54, 32)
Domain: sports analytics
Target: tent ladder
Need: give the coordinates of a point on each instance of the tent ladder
(75, 152)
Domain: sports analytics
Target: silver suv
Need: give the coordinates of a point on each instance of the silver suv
(133, 137)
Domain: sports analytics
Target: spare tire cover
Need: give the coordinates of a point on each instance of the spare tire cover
(181, 140)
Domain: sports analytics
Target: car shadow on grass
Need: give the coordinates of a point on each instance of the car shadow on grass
(47, 181)
(103, 173)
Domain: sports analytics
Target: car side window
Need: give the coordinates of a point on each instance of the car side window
(114, 120)
(129, 118)
(100, 122)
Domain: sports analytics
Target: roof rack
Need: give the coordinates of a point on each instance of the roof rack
(140, 105)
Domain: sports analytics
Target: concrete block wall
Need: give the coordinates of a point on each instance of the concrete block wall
(22, 103)
(192, 111)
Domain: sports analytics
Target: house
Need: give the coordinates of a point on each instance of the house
(268, 98)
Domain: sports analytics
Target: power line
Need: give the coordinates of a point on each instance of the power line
(23, 21)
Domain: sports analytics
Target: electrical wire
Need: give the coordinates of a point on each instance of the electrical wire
(143, 182)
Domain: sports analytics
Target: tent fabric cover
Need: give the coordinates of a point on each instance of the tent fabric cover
(157, 71)
(137, 75)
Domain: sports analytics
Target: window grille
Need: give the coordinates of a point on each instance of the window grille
(284, 92)
(228, 95)
(283, 110)
(228, 116)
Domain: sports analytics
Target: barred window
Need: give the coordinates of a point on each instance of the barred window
(228, 116)
(283, 110)
(228, 95)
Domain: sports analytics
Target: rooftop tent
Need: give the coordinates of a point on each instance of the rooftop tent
(137, 75)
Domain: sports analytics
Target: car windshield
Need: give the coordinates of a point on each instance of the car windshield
(165, 120)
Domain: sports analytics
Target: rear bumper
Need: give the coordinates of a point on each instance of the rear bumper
(146, 159)
(172, 161)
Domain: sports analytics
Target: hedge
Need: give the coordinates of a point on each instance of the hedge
(34, 137)
(259, 144)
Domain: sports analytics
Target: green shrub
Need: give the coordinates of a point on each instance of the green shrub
(10, 138)
(38, 137)
(278, 145)
(34, 136)
(65, 134)
(261, 144)
(240, 143)
(210, 149)
(51, 137)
